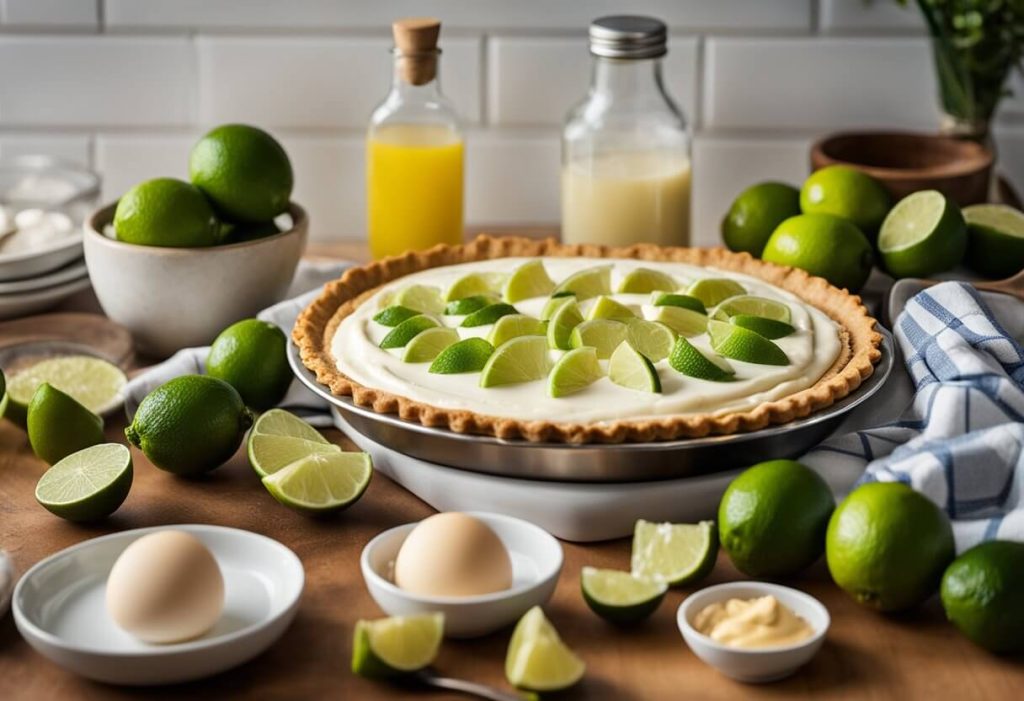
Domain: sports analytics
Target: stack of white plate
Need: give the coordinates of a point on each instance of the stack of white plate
(33, 281)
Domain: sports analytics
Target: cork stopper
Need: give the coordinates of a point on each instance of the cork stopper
(416, 41)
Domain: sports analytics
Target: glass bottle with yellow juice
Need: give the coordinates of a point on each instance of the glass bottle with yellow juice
(414, 152)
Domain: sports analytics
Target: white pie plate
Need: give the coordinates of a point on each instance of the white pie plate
(60, 610)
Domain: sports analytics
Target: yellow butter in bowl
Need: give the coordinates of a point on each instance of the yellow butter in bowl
(752, 623)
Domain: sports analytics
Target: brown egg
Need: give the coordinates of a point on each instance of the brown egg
(453, 554)
(165, 587)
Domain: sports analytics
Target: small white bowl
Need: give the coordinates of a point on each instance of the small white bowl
(60, 609)
(754, 665)
(536, 563)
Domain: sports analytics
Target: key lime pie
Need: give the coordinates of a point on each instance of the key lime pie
(517, 338)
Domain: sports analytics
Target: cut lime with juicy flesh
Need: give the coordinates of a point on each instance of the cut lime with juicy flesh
(995, 245)
(279, 438)
(652, 339)
(278, 422)
(574, 371)
(423, 298)
(468, 305)
(554, 302)
(94, 383)
(474, 284)
(537, 659)
(684, 322)
(394, 315)
(522, 359)
(753, 306)
(514, 325)
(769, 328)
(400, 336)
(743, 344)
(529, 280)
(608, 308)
(603, 335)
(715, 290)
(644, 280)
(671, 299)
(321, 482)
(395, 646)
(620, 597)
(674, 553)
(690, 361)
(562, 322)
(426, 346)
(488, 315)
(468, 355)
(588, 283)
(627, 367)
(925, 233)
(88, 485)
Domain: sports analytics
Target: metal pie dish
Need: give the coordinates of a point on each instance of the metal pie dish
(599, 462)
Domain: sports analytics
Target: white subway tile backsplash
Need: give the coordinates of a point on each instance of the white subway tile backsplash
(125, 160)
(881, 16)
(51, 14)
(512, 178)
(823, 84)
(317, 82)
(535, 80)
(69, 147)
(96, 81)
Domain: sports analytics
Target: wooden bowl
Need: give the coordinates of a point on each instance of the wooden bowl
(905, 162)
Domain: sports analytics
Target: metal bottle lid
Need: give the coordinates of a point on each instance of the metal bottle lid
(628, 36)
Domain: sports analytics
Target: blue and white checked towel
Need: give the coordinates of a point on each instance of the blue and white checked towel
(960, 441)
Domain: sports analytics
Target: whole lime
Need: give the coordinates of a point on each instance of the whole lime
(823, 245)
(59, 426)
(888, 545)
(754, 215)
(848, 193)
(983, 595)
(250, 356)
(190, 425)
(772, 518)
(166, 212)
(244, 171)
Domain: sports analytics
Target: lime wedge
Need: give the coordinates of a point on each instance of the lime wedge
(923, 234)
(674, 553)
(422, 298)
(628, 368)
(88, 485)
(488, 315)
(529, 280)
(995, 239)
(537, 659)
(278, 422)
(603, 335)
(94, 383)
(620, 597)
(644, 280)
(468, 355)
(394, 315)
(715, 290)
(556, 301)
(670, 299)
(652, 339)
(684, 322)
(562, 322)
(400, 336)
(608, 308)
(588, 283)
(468, 305)
(268, 454)
(59, 426)
(769, 328)
(394, 646)
(513, 325)
(743, 344)
(688, 360)
(321, 482)
(425, 346)
(523, 359)
(474, 284)
(573, 372)
(3, 394)
(753, 306)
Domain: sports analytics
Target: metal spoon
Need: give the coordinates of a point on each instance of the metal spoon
(480, 691)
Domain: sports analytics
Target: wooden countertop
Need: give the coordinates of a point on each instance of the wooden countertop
(866, 656)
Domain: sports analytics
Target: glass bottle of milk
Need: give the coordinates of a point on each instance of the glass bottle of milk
(626, 146)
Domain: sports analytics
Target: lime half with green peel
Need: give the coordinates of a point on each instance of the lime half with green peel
(537, 659)
(684, 322)
(94, 383)
(468, 305)
(513, 325)
(690, 361)
(981, 594)
(603, 335)
(321, 482)
(394, 315)
(88, 485)
(769, 328)
(400, 336)
(426, 346)
(925, 233)
(423, 298)
(608, 308)
(488, 315)
(753, 306)
(574, 371)
(674, 553)
(619, 597)
(755, 213)
(995, 233)
(644, 280)
(395, 646)
(715, 290)
(652, 339)
(278, 422)
(473, 284)
(671, 299)
(554, 302)
(627, 367)
(848, 193)
(468, 355)
(59, 426)
(566, 318)
(588, 283)
(529, 280)
(523, 359)
(738, 343)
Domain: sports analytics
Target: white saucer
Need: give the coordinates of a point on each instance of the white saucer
(72, 271)
(59, 608)
(23, 304)
(26, 264)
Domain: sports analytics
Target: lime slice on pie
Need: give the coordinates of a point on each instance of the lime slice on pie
(537, 659)
(529, 280)
(588, 283)
(608, 308)
(400, 336)
(394, 315)
(652, 339)
(514, 325)
(554, 302)
(474, 284)
(92, 382)
(394, 646)
(88, 485)
(562, 322)
(769, 328)
(620, 597)
(627, 367)
(684, 322)
(422, 298)
(925, 233)
(753, 306)
(426, 345)
(743, 344)
(468, 305)
(488, 315)
(522, 359)
(321, 482)
(279, 438)
(468, 355)
(603, 335)
(644, 280)
(674, 553)
(690, 361)
(714, 290)
(672, 299)
(573, 372)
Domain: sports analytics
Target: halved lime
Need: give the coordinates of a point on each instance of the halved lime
(629, 368)
(674, 553)
(754, 306)
(529, 280)
(94, 383)
(671, 299)
(278, 422)
(562, 322)
(474, 284)
(59, 426)
(88, 485)
(394, 315)
(620, 597)
(523, 359)
(714, 290)
(537, 659)
(925, 233)
(603, 335)
(769, 328)
(425, 346)
(588, 283)
(690, 361)
(468, 305)
(400, 336)
(321, 482)
(608, 308)
(422, 298)
(573, 372)
(488, 315)
(394, 646)
(652, 339)
(468, 355)
(684, 322)
(743, 344)
(513, 325)
(268, 454)
(644, 280)
(554, 302)
(995, 235)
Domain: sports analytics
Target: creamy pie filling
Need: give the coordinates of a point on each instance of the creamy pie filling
(811, 350)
